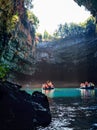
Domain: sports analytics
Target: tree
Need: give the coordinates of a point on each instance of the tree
(39, 35)
(90, 27)
(46, 35)
(86, 28)
(33, 18)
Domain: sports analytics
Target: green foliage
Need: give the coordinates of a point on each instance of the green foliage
(39, 36)
(4, 69)
(86, 28)
(47, 36)
(91, 26)
(33, 18)
(12, 23)
(11, 11)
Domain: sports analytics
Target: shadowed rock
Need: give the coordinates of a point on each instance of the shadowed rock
(69, 59)
(21, 111)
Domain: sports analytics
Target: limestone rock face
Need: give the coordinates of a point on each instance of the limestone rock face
(19, 52)
(68, 59)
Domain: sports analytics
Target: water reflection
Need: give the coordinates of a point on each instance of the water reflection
(62, 92)
(71, 108)
(70, 92)
(49, 93)
(86, 94)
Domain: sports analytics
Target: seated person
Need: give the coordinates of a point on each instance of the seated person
(50, 84)
(91, 84)
(86, 84)
(82, 85)
(45, 86)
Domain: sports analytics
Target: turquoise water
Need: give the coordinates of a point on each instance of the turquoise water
(71, 108)
(64, 92)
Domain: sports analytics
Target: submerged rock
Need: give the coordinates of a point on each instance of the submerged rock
(21, 111)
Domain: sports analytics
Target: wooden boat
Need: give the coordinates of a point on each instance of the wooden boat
(49, 88)
(90, 87)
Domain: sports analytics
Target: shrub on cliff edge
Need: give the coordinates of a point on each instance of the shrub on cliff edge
(4, 69)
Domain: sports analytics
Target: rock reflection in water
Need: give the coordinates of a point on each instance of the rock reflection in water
(73, 113)
(49, 93)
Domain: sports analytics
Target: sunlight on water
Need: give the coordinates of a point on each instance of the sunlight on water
(71, 109)
(62, 92)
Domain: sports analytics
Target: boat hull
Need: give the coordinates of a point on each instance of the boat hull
(91, 87)
(48, 88)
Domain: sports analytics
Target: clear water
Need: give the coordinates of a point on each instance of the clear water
(71, 109)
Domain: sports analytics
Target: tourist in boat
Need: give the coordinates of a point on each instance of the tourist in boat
(91, 84)
(45, 86)
(87, 85)
(48, 85)
(82, 85)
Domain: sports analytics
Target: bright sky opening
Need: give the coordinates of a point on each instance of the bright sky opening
(51, 13)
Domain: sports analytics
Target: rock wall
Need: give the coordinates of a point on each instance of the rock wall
(19, 52)
(17, 33)
(71, 59)
(21, 111)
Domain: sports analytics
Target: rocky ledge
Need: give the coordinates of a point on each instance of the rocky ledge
(21, 111)
(71, 60)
